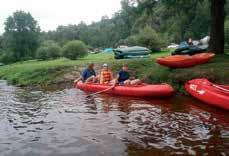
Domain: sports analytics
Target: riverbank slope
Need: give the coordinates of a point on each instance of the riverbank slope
(61, 71)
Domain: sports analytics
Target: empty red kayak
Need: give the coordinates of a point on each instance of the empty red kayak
(210, 93)
(144, 90)
(203, 57)
(185, 61)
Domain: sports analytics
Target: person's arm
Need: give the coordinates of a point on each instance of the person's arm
(116, 80)
(82, 76)
(78, 79)
(101, 78)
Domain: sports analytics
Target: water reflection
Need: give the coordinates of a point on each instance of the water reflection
(67, 122)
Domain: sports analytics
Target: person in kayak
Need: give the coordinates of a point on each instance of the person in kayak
(106, 75)
(88, 75)
(123, 77)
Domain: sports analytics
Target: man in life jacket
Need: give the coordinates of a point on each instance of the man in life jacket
(105, 75)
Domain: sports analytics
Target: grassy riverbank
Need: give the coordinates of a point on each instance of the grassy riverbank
(63, 70)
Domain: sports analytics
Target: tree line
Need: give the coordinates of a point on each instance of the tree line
(150, 23)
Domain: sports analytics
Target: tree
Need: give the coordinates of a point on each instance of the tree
(74, 50)
(227, 26)
(6, 57)
(173, 20)
(217, 26)
(1, 42)
(227, 34)
(42, 53)
(147, 37)
(217, 12)
(22, 35)
(199, 26)
(227, 9)
(48, 50)
(186, 19)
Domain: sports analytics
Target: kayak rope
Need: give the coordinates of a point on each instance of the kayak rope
(103, 91)
(221, 88)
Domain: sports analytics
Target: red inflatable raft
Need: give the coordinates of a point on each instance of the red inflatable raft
(212, 94)
(203, 57)
(144, 90)
(185, 61)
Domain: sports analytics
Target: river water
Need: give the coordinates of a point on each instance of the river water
(66, 122)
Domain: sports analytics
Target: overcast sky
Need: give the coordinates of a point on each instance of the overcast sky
(51, 13)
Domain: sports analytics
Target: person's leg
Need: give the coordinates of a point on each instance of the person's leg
(127, 82)
(77, 80)
(135, 82)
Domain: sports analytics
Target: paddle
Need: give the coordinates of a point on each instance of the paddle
(103, 91)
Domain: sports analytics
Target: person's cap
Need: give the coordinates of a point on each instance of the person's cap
(105, 65)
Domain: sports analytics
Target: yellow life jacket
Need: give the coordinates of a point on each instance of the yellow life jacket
(105, 76)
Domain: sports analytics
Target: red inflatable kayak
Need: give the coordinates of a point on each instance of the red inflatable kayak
(185, 61)
(203, 57)
(144, 90)
(212, 94)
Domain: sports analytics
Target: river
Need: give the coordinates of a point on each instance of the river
(66, 122)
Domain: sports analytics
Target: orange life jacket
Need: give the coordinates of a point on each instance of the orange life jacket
(105, 76)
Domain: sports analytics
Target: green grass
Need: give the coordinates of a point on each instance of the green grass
(51, 72)
(44, 72)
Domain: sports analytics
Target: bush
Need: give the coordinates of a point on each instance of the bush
(7, 57)
(48, 50)
(54, 51)
(42, 53)
(147, 37)
(74, 50)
